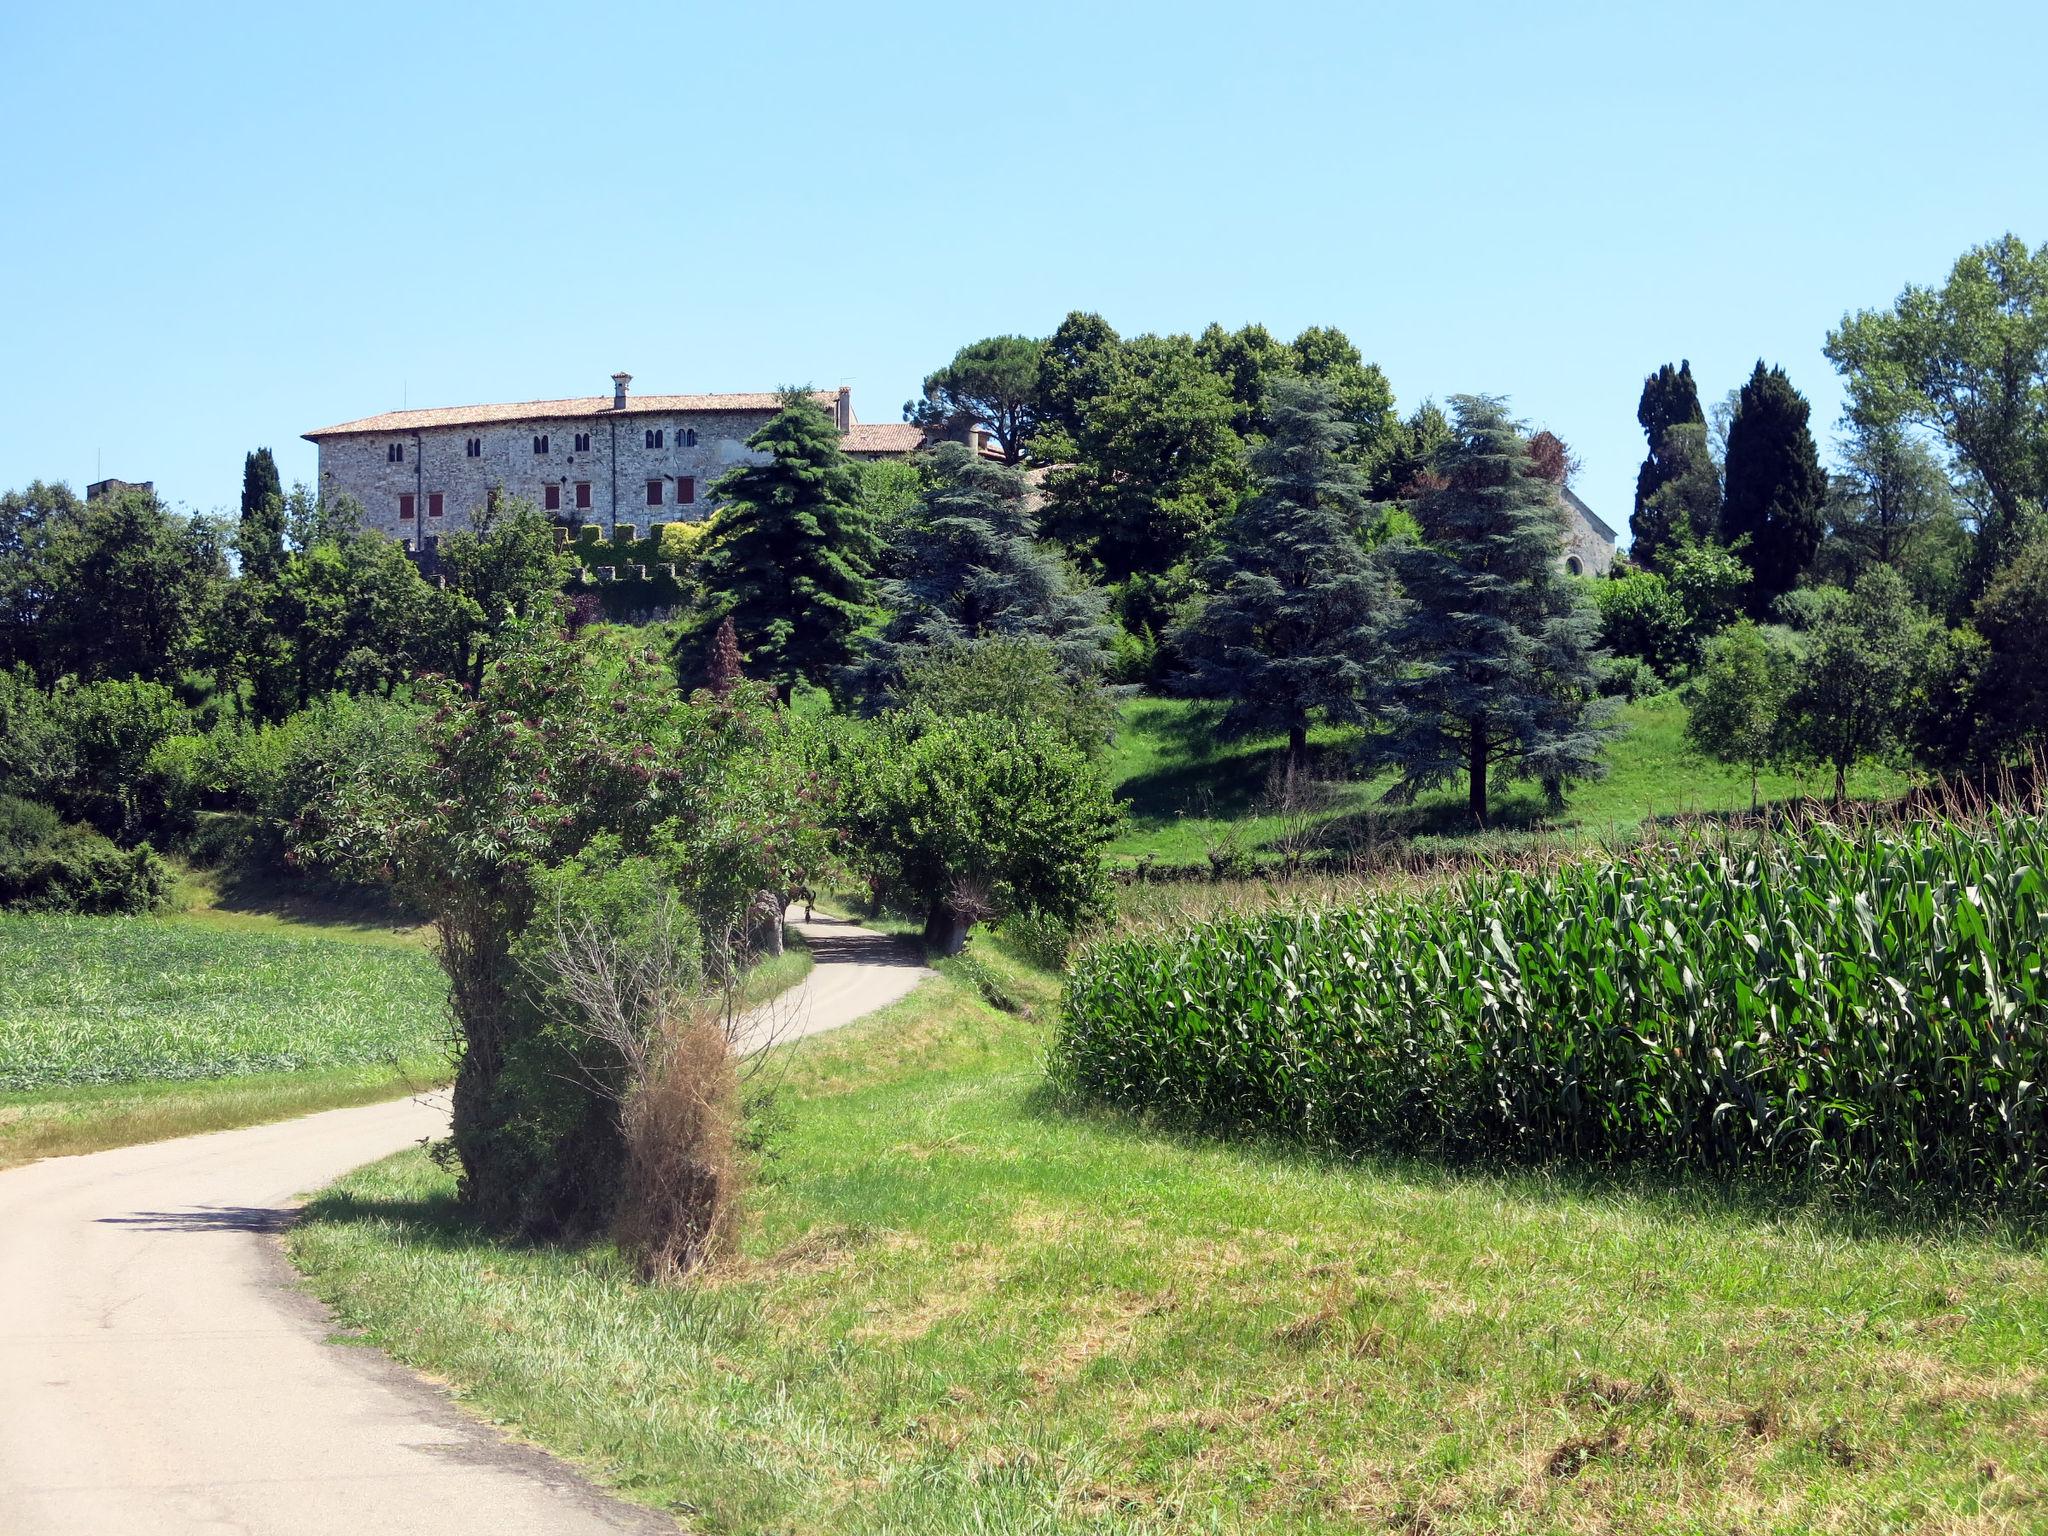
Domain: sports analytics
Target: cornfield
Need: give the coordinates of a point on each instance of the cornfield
(1858, 1005)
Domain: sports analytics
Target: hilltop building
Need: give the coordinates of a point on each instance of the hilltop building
(1588, 541)
(618, 461)
(99, 490)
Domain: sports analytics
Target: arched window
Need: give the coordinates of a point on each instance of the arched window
(1571, 563)
(689, 437)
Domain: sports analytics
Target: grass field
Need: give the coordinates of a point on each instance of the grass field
(962, 1308)
(1185, 791)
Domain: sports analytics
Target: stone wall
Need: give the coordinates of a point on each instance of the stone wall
(617, 466)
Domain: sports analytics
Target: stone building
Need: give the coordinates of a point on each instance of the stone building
(1588, 541)
(615, 462)
(100, 490)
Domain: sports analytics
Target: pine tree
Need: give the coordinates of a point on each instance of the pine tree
(968, 568)
(1776, 493)
(724, 672)
(1669, 399)
(1297, 623)
(1499, 665)
(790, 560)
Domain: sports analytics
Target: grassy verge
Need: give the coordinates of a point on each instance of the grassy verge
(960, 1308)
(58, 1122)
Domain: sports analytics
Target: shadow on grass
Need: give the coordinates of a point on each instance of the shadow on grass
(1663, 1191)
(438, 1220)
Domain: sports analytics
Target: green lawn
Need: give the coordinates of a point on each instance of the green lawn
(960, 1308)
(1185, 791)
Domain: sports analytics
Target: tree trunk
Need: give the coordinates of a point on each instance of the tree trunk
(1297, 749)
(1475, 769)
(1841, 783)
(945, 930)
(764, 925)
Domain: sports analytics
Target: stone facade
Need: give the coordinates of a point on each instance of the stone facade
(616, 463)
(1588, 541)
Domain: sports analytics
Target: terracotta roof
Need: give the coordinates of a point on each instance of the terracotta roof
(883, 437)
(556, 410)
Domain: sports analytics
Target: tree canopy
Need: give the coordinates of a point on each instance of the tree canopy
(991, 383)
(1776, 492)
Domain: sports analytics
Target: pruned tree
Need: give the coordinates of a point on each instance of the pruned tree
(1296, 625)
(1500, 668)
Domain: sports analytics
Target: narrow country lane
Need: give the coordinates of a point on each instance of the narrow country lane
(161, 1371)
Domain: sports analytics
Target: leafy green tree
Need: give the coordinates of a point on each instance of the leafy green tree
(1247, 360)
(1859, 678)
(1250, 360)
(790, 562)
(109, 728)
(28, 519)
(1684, 507)
(1499, 664)
(1735, 708)
(1151, 466)
(1891, 504)
(1297, 623)
(1776, 491)
(991, 383)
(131, 590)
(1018, 679)
(1968, 362)
(502, 571)
(974, 817)
(1669, 399)
(1641, 616)
(2008, 705)
(1081, 361)
(968, 567)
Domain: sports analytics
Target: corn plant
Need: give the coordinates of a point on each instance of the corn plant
(1859, 1005)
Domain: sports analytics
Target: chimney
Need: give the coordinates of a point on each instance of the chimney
(619, 383)
(842, 412)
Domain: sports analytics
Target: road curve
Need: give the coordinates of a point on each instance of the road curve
(161, 1371)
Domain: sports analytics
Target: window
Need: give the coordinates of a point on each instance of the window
(540, 442)
(583, 494)
(1572, 564)
(405, 509)
(690, 438)
(551, 498)
(395, 454)
(433, 503)
(653, 437)
(654, 493)
(474, 447)
(686, 489)
(583, 442)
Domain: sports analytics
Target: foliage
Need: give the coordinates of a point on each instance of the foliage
(1684, 508)
(2008, 703)
(1776, 491)
(1250, 361)
(1840, 1005)
(1735, 711)
(991, 383)
(790, 562)
(970, 817)
(1500, 666)
(1669, 400)
(1859, 680)
(1967, 362)
(1641, 617)
(966, 568)
(503, 571)
(97, 1000)
(1296, 624)
(1891, 504)
(1018, 680)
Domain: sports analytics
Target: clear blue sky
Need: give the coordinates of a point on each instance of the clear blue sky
(229, 225)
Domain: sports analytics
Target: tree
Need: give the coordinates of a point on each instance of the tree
(1500, 669)
(1891, 504)
(2010, 701)
(503, 570)
(1409, 469)
(1297, 622)
(1018, 679)
(992, 384)
(967, 567)
(1968, 362)
(1151, 464)
(130, 589)
(1669, 399)
(1856, 683)
(1685, 506)
(28, 518)
(1776, 492)
(791, 559)
(260, 539)
(1737, 703)
(1080, 361)
(973, 817)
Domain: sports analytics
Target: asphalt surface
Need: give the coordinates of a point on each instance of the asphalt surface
(161, 1370)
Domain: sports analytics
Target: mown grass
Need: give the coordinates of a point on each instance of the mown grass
(1185, 791)
(962, 1308)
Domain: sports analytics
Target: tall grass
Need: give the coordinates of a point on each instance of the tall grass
(1861, 1005)
(115, 999)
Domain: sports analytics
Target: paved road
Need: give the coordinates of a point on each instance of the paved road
(161, 1372)
(858, 971)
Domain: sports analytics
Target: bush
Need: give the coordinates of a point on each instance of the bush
(80, 871)
(25, 825)
(1641, 617)
(1852, 1007)
(1629, 677)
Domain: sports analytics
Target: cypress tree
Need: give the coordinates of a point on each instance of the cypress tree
(1499, 667)
(968, 567)
(789, 561)
(1776, 491)
(1297, 623)
(260, 540)
(1669, 399)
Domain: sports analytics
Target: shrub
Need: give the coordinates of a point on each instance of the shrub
(80, 871)
(1856, 1007)
(1628, 677)
(25, 825)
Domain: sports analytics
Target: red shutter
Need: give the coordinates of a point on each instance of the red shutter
(686, 489)
(553, 498)
(654, 493)
(405, 509)
(583, 493)
(433, 503)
